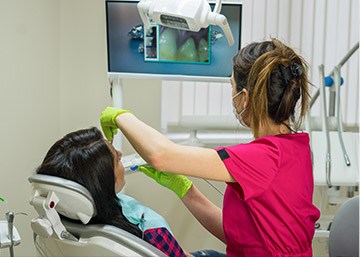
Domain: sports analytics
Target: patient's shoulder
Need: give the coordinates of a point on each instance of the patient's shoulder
(162, 239)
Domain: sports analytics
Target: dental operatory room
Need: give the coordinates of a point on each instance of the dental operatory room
(181, 128)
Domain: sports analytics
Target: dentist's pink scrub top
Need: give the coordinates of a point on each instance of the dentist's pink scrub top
(269, 211)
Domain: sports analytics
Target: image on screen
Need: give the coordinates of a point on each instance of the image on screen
(171, 53)
(164, 44)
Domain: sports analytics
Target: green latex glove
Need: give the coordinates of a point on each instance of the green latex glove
(179, 184)
(107, 120)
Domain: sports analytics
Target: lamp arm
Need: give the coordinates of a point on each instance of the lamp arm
(218, 6)
(143, 8)
(221, 21)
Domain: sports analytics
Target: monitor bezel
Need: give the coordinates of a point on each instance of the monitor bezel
(159, 76)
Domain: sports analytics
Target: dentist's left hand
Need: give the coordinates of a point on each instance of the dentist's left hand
(179, 184)
(107, 120)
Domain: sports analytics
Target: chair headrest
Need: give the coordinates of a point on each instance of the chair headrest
(75, 201)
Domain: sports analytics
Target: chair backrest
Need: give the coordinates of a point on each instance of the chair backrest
(344, 230)
(56, 235)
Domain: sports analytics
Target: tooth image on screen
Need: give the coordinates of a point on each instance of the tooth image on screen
(188, 51)
(203, 50)
(168, 48)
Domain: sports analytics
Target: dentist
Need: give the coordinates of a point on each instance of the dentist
(267, 208)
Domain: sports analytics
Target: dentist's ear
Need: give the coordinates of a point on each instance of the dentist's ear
(246, 98)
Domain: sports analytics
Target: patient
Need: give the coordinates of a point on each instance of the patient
(85, 157)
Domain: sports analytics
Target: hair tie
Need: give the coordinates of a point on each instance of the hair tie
(296, 70)
(293, 71)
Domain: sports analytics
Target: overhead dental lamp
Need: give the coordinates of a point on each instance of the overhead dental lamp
(184, 14)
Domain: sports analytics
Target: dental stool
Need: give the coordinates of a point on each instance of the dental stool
(56, 235)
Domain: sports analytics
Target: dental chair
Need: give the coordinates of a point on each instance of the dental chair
(65, 209)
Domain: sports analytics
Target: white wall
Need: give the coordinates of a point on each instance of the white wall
(84, 87)
(29, 102)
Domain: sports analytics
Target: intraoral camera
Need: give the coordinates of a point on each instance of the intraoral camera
(184, 14)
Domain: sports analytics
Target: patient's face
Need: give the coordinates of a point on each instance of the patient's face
(119, 172)
(118, 169)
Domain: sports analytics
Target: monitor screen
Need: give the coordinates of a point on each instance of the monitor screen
(166, 53)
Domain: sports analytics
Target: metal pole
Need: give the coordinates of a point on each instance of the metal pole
(325, 127)
(337, 78)
(10, 219)
(117, 99)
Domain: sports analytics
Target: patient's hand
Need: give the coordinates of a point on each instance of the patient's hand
(179, 184)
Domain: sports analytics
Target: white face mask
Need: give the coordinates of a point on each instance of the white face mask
(239, 115)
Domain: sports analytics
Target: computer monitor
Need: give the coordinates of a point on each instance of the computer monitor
(166, 53)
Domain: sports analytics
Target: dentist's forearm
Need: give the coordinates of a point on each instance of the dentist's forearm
(206, 212)
(164, 155)
(148, 142)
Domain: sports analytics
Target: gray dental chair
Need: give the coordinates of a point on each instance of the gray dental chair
(55, 235)
(344, 230)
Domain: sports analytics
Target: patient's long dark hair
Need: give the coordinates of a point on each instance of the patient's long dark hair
(83, 156)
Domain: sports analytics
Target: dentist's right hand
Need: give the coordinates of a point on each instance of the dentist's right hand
(107, 120)
(179, 184)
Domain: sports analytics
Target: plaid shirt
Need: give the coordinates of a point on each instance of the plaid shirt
(162, 239)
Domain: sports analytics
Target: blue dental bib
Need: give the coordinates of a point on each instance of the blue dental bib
(141, 215)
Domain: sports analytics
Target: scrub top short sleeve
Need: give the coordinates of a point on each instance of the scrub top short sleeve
(253, 166)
